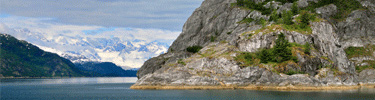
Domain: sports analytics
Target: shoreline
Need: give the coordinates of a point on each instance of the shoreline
(255, 87)
(46, 77)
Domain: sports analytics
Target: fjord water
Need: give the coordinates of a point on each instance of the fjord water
(118, 88)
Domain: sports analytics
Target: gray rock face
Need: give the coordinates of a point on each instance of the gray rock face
(261, 40)
(328, 43)
(358, 29)
(310, 65)
(286, 7)
(150, 66)
(367, 76)
(215, 64)
(241, 77)
(273, 5)
(323, 37)
(214, 19)
(154, 64)
(370, 4)
(217, 69)
(305, 3)
(327, 11)
(328, 77)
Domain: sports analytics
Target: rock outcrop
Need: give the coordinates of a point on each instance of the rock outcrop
(215, 26)
(358, 29)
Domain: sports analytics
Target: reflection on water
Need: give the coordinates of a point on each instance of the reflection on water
(367, 90)
(95, 80)
(359, 90)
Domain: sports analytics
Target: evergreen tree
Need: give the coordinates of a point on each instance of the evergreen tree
(307, 48)
(287, 17)
(240, 2)
(274, 16)
(305, 18)
(265, 56)
(295, 8)
(281, 51)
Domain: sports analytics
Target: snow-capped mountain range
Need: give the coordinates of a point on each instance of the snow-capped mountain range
(78, 49)
(124, 46)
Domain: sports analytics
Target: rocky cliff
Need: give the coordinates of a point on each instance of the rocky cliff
(340, 44)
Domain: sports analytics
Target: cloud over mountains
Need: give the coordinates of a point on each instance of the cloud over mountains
(123, 46)
(125, 32)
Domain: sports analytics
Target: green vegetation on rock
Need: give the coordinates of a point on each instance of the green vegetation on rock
(366, 51)
(307, 48)
(302, 23)
(305, 18)
(370, 64)
(287, 17)
(359, 51)
(250, 4)
(344, 7)
(262, 21)
(180, 61)
(194, 49)
(247, 59)
(279, 53)
(246, 21)
(295, 8)
(291, 72)
(306, 14)
(274, 16)
(212, 38)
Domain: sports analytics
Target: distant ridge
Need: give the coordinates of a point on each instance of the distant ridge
(106, 69)
(20, 59)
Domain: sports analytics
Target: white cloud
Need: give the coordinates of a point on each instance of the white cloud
(53, 30)
(161, 14)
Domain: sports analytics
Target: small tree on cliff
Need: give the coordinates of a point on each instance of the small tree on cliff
(295, 8)
(281, 51)
(240, 2)
(287, 17)
(305, 18)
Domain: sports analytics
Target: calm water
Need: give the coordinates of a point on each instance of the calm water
(118, 88)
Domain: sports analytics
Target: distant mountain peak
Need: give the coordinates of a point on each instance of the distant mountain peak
(131, 52)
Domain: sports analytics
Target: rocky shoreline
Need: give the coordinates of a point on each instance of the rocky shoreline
(329, 55)
(255, 87)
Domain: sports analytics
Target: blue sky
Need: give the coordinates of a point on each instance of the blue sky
(157, 14)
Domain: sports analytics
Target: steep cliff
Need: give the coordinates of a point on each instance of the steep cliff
(236, 37)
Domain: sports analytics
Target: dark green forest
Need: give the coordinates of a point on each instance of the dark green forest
(21, 59)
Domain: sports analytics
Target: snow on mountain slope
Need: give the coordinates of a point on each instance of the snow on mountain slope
(79, 50)
(126, 47)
